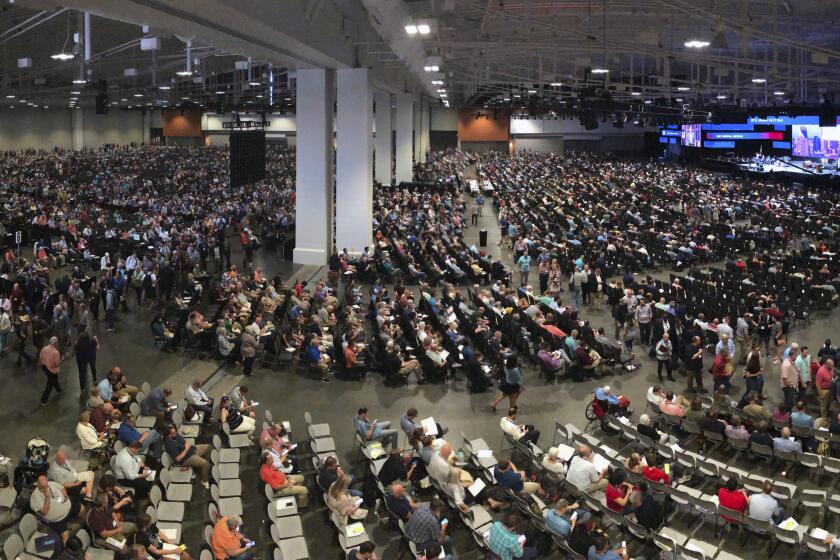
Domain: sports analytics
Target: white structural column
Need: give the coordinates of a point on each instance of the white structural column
(354, 160)
(147, 126)
(382, 170)
(418, 110)
(77, 127)
(314, 166)
(425, 118)
(404, 127)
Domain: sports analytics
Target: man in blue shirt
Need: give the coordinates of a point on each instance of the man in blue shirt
(801, 419)
(601, 550)
(507, 476)
(562, 520)
(128, 433)
(321, 363)
(376, 430)
(505, 543)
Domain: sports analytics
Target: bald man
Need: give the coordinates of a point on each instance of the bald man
(398, 502)
(439, 465)
(74, 482)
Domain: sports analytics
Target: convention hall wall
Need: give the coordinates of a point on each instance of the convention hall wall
(53, 128)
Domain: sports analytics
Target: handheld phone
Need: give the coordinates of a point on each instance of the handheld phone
(624, 546)
(668, 468)
(444, 522)
(574, 516)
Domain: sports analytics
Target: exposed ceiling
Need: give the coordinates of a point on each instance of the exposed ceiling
(221, 34)
(494, 49)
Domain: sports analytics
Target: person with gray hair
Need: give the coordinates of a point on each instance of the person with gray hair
(50, 362)
(228, 542)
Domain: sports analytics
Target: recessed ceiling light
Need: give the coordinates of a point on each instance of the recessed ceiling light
(679, 100)
(599, 70)
(185, 98)
(62, 56)
(695, 44)
(255, 84)
(220, 92)
(138, 95)
(123, 99)
(648, 101)
(184, 73)
(532, 91)
(10, 96)
(164, 87)
(411, 29)
(260, 96)
(683, 88)
(759, 81)
(778, 93)
(79, 81)
(721, 96)
(432, 68)
(424, 29)
(76, 92)
(635, 93)
(556, 84)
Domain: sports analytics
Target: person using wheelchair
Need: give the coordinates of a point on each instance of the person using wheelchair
(611, 404)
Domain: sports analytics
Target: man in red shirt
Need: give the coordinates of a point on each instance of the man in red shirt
(653, 471)
(730, 497)
(824, 378)
(282, 484)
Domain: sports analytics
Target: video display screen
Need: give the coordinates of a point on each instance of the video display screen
(816, 141)
(692, 135)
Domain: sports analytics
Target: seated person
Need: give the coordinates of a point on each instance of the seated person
(374, 430)
(283, 484)
(761, 435)
(74, 482)
(668, 406)
(398, 468)
(398, 503)
(329, 473)
(345, 507)
(562, 519)
(583, 474)
(185, 454)
(199, 400)
(153, 539)
(730, 497)
(800, 418)
(237, 422)
(507, 475)
(552, 462)
(736, 430)
(50, 502)
(228, 542)
(618, 491)
(524, 433)
(106, 524)
(764, 507)
(149, 440)
(786, 442)
(605, 395)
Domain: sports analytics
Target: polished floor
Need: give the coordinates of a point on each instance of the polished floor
(289, 394)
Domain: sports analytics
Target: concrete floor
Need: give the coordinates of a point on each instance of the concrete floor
(288, 395)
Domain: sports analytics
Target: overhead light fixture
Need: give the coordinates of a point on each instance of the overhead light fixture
(75, 93)
(220, 92)
(516, 95)
(599, 70)
(721, 96)
(556, 84)
(184, 72)
(63, 56)
(138, 95)
(185, 98)
(696, 44)
(678, 100)
(437, 82)
(255, 84)
(432, 68)
(532, 91)
(260, 96)
(79, 81)
(779, 93)
(759, 81)
(424, 28)
(411, 29)
(442, 90)
(683, 88)
(648, 101)
(164, 88)
(636, 93)
(123, 99)
(10, 96)
(443, 95)
(506, 99)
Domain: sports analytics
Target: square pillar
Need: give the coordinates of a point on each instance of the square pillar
(383, 141)
(354, 160)
(418, 112)
(314, 166)
(404, 127)
(425, 124)
(77, 123)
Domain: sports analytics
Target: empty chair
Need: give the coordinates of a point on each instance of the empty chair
(13, 546)
(236, 441)
(785, 536)
(228, 487)
(226, 470)
(27, 526)
(291, 549)
(84, 538)
(175, 492)
(814, 500)
(316, 430)
(286, 528)
(166, 510)
(141, 421)
(280, 507)
(226, 455)
(227, 506)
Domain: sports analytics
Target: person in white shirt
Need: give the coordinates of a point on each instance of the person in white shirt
(439, 465)
(73, 481)
(583, 474)
(199, 400)
(131, 471)
(89, 439)
(519, 432)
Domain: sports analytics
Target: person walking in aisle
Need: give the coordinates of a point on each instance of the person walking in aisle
(50, 361)
(663, 357)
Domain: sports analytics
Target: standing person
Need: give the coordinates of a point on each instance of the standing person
(823, 382)
(742, 336)
(86, 347)
(778, 335)
(50, 362)
(576, 285)
(663, 356)
(94, 300)
(111, 304)
(694, 365)
(5, 330)
(248, 348)
(789, 379)
(22, 333)
(754, 372)
(762, 332)
(511, 386)
(644, 316)
(555, 278)
(803, 367)
(524, 263)
(543, 267)
(474, 214)
(722, 370)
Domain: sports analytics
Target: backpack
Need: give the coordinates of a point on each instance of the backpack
(189, 412)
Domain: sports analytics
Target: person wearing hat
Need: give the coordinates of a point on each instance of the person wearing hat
(22, 333)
